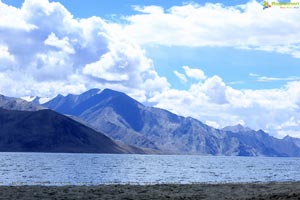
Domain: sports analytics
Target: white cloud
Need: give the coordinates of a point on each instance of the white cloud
(181, 76)
(212, 123)
(149, 9)
(195, 73)
(270, 79)
(245, 26)
(13, 18)
(215, 89)
(62, 44)
(123, 62)
(253, 75)
(289, 127)
(260, 78)
(56, 53)
(6, 59)
(220, 105)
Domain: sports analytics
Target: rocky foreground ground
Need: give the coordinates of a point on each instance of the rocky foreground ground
(161, 192)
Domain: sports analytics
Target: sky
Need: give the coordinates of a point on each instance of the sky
(222, 62)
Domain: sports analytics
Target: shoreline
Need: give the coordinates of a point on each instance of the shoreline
(259, 190)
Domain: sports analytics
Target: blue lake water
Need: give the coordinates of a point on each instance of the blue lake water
(93, 169)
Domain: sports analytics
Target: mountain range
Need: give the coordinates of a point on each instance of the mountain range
(124, 119)
(25, 127)
(11, 103)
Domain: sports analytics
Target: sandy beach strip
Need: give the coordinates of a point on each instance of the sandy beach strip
(286, 190)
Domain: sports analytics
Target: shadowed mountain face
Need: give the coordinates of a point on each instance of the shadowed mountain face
(66, 104)
(108, 111)
(48, 131)
(124, 119)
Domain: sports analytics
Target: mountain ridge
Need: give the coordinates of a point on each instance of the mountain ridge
(125, 119)
(11, 103)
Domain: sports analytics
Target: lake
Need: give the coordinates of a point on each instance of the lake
(93, 169)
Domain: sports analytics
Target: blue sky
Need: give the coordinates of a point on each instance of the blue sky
(222, 62)
(117, 7)
(233, 65)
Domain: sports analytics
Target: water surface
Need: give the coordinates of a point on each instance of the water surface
(93, 169)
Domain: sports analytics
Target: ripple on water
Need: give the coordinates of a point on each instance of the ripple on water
(80, 169)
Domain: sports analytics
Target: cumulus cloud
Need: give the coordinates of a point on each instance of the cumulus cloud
(44, 51)
(245, 26)
(195, 73)
(12, 18)
(212, 123)
(181, 76)
(215, 89)
(5, 57)
(62, 44)
(219, 105)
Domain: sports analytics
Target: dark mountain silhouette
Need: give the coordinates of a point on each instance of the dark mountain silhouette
(66, 104)
(48, 131)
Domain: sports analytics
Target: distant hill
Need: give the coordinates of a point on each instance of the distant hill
(294, 140)
(11, 103)
(126, 120)
(263, 142)
(237, 129)
(48, 131)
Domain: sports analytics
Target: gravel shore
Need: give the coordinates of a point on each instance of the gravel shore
(287, 190)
